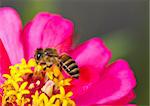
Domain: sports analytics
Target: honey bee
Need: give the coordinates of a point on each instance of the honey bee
(49, 56)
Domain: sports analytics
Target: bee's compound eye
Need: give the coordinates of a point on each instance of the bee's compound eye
(39, 55)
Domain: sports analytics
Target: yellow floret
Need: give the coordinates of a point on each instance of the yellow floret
(56, 76)
(63, 98)
(39, 100)
(12, 91)
(15, 87)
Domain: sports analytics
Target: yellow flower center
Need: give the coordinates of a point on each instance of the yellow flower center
(28, 84)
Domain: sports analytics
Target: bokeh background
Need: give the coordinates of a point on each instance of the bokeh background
(122, 24)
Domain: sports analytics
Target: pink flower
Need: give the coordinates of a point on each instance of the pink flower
(100, 83)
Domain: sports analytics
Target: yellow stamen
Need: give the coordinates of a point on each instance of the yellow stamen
(17, 87)
(63, 98)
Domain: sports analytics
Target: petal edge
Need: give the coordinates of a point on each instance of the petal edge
(10, 33)
(117, 81)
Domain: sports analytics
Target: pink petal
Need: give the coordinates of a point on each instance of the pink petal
(48, 30)
(109, 105)
(0, 101)
(131, 105)
(91, 57)
(117, 81)
(10, 30)
(4, 62)
(124, 100)
(92, 53)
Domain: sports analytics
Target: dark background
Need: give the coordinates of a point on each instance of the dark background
(122, 24)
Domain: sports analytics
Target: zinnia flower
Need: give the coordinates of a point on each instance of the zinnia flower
(100, 83)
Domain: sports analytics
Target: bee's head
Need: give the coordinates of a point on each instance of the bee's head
(38, 54)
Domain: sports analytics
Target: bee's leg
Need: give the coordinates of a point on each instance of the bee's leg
(44, 68)
(49, 64)
(60, 66)
(56, 61)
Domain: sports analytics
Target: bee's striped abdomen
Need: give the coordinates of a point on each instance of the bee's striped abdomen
(69, 65)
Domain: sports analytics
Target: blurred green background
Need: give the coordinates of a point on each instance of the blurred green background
(123, 25)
